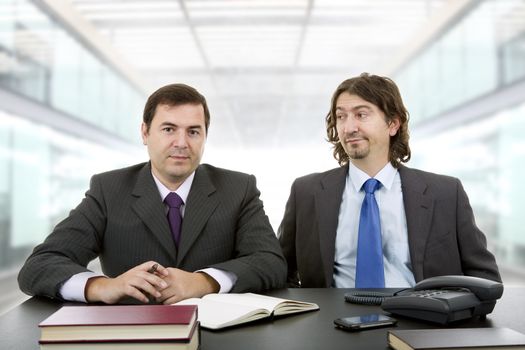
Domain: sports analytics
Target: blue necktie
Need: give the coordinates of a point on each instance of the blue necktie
(369, 271)
(174, 217)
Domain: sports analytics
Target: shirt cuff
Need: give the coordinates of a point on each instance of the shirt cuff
(225, 279)
(74, 288)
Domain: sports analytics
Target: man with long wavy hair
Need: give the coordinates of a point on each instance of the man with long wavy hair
(426, 224)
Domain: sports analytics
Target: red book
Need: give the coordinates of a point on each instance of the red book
(192, 344)
(96, 323)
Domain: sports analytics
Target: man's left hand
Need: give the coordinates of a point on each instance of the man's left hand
(183, 285)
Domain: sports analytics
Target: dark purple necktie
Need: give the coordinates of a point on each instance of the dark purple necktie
(174, 217)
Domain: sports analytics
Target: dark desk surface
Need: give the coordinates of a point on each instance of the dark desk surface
(311, 330)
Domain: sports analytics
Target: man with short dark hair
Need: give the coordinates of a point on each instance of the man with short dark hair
(373, 222)
(166, 230)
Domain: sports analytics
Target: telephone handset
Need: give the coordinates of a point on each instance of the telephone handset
(441, 299)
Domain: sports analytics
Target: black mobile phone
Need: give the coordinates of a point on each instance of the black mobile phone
(357, 323)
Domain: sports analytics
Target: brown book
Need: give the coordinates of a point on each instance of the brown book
(111, 323)
(456, 338)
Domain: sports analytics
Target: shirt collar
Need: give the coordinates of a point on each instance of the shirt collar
(183, 191)
(358, 177)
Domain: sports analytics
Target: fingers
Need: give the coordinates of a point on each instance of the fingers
(149, 285)
(141, 282)
(136, 293)
(183, 285)
(154, 268)
(112, 290)
(147, 280)
(154, 284)
(176, 282)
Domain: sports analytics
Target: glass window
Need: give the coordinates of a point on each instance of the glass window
(43, 175)
(466, 61)
(90, 82)
(452, 67)
(511, 157)
(430, 84)
(409, 84)
(65, 81)
(481, 65)
(40, 59)
(5, 186)
(7, 23)
(487, 156)
(513, 53)
(111, 99)
(32, 38)
(30, 181)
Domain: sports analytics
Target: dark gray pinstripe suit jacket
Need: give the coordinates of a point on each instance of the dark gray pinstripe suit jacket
(122, 220)
(443, 237)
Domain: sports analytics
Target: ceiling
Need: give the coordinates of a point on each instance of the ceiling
(267, 67)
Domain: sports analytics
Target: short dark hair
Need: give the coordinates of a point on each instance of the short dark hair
(174, 95)
(383, 93)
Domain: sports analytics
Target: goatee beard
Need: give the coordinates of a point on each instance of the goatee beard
(358, 153)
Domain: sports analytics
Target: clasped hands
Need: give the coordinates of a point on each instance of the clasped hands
(165, 285)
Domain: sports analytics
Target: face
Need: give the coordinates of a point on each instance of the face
(363, 130)
(175, 142)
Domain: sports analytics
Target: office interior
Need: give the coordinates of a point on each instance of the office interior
(75, 74)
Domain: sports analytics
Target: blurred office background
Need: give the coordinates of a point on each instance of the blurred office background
(74, 76)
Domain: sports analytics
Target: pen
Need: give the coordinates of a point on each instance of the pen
(153, 268)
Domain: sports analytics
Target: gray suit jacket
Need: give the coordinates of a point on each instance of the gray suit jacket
(442, 234)
(122, 220)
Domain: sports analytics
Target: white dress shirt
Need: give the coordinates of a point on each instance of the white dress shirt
(396, 255)
(73, 289)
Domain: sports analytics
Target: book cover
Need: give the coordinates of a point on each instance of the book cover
(192, 344)
(218, 311)
(119, 322)
(455, 338)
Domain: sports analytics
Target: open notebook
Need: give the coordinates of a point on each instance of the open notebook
(223, 310)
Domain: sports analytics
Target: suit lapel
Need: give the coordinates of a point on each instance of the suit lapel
(327, 203)
(418, 210)
(148, 206)
(201, 203)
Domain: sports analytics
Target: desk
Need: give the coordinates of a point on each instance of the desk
(311, 330)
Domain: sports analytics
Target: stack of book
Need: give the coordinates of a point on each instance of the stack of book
(156, 327)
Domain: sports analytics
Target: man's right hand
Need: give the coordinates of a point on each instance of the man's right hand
(137, 283)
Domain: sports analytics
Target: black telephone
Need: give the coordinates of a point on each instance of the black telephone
(441, 299)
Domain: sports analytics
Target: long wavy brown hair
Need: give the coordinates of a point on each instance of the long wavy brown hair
(382, 92)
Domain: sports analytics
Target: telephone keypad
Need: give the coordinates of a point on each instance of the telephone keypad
(429, 293)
